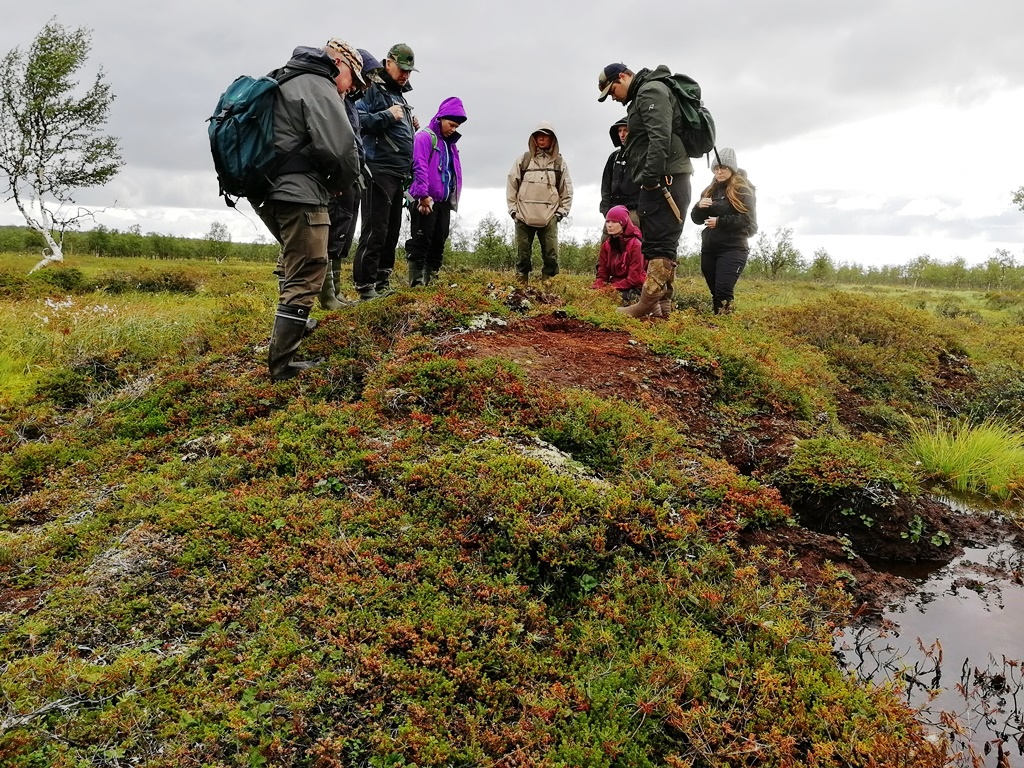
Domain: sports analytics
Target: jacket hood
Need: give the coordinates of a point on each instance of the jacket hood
(620, 215)
(643, 76)
(544, 125)
(312, 60)
(614, 132)
(450, 107)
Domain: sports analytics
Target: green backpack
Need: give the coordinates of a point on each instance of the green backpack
(698, 128)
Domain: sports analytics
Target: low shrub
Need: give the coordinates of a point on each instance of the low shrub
(828, 475)
(877, 347)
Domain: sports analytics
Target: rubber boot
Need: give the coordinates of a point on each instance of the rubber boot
(336, 274)
(647, 305)
(383, 284)
(430, 276)
(416, 278)
(289, 328)
(367, 292)
(327, 298)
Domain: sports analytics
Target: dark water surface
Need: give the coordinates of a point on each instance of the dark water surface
(956, 646)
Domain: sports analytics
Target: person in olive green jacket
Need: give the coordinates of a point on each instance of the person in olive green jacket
(539, 195)
(658, 161)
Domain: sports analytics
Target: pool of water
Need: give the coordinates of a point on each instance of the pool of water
(956, 647)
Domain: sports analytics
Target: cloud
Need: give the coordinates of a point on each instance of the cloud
(844, 114)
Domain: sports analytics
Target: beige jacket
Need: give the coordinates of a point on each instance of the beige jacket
(541, 191)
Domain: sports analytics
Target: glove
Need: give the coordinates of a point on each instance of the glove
(512, 214)
(559, 216)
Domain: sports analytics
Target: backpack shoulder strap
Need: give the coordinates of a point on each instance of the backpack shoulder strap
(524, 164)
(433, 139)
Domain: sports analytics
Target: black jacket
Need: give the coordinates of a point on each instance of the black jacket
(733, 229)
(617, 188)
(387, 142)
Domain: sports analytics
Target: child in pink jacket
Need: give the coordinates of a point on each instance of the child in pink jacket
(620, 263)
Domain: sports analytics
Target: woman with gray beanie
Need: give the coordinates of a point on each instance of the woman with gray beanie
(727, 209)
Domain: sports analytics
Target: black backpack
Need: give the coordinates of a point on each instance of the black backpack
(698, 128)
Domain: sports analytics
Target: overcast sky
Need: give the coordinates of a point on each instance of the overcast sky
(880, 130)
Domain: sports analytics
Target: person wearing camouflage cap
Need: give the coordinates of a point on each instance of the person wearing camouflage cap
(312, 131)
(388, 128)
(338, 206)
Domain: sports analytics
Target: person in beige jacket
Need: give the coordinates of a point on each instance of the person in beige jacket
(539, 192)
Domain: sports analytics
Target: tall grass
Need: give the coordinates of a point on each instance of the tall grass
(985, 459)
(130, 331)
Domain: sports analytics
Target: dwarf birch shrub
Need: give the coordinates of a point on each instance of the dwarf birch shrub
(876, 347)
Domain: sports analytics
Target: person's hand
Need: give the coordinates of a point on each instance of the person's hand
(559, 216)
(396, 111)
(711, 222)
(415, 123)
(705, 202)
(512, 214)
(598, 284)
(426, 205)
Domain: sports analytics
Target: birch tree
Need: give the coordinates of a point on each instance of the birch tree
(51, 141)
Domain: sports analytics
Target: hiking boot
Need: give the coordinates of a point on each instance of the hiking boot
(724, 308)
(645, 307)
(430, 276)
(383, 284)
(523, 279)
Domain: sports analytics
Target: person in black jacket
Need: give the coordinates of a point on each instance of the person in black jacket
(388, 127)
(617, 187)
(727, 209)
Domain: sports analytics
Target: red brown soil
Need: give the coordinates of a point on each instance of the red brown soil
(557, 351)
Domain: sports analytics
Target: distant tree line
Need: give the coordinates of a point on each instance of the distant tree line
(492, 246)
(132, 243)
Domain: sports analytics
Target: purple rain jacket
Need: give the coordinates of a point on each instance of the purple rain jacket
(434, 160)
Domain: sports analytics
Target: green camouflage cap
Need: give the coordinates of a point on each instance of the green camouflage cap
(403, 56)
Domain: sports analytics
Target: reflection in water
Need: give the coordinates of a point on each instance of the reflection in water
(957, 648)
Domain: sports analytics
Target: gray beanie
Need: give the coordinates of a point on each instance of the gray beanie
(726, 157)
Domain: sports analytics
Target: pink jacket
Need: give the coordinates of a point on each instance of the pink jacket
(620, 263)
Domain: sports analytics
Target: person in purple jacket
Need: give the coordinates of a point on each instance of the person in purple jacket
(435, 189)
